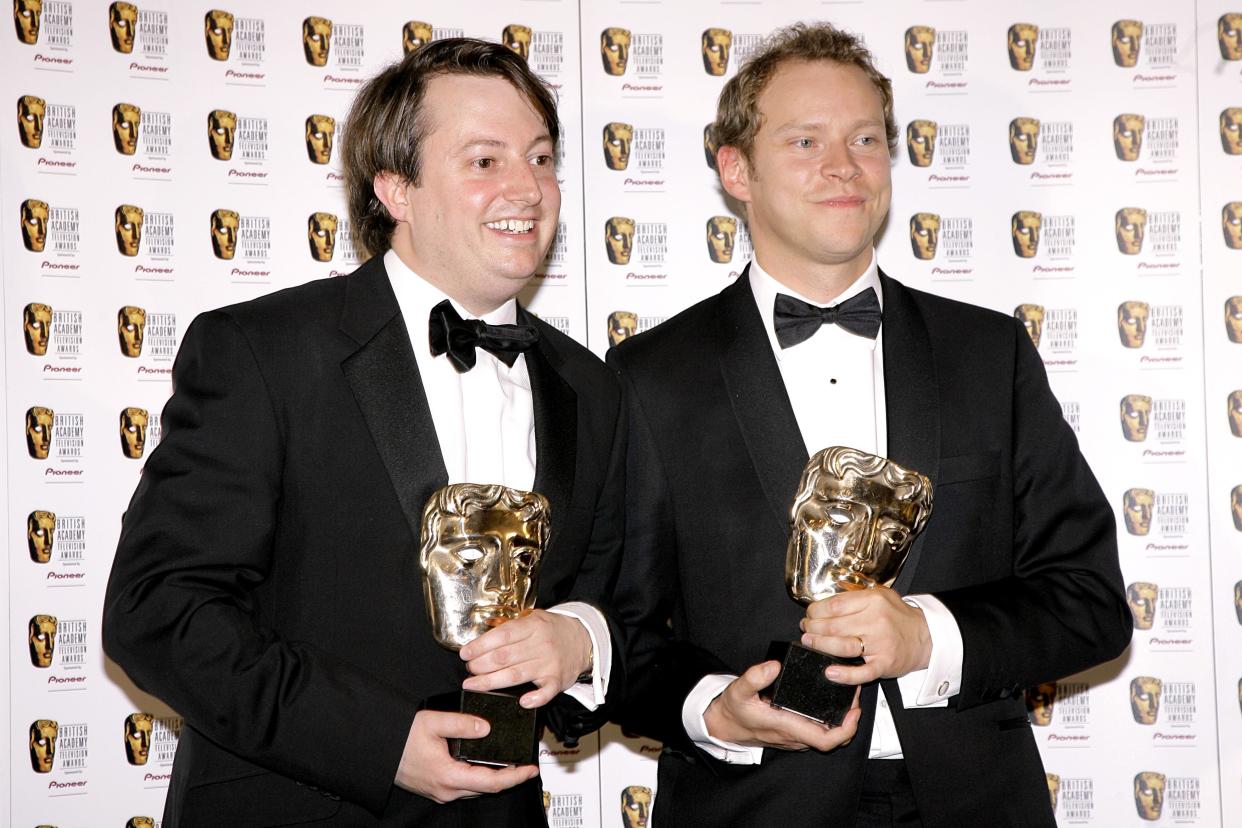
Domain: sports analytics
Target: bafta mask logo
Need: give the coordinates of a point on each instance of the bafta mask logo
(415, 34)
(1130, 225)
(140, 822)
(1229, 35)
(635, 806)
(138, 737)
(43, 733)
(716, 44)
(1135, 415)
(40, 535)
(920, 40)
(1231, 130)
(41, 635)
(924, 235)
(480, 553)
(34, 224)
(1145, 699)
(224, 224)
(1141, 597)
(1022, 40)
(614, 49)
(921, 142)
(321, 232)
(618, 138)
(1137, 506)
(852, 523)
(39, 431)
(129, 229)
(1024, 228)
(1233, 318)
(1132, 323)
(26, 17)
(1149, 794)
(1128, 136)
(547, 801)
(1039, 703)
(1231, 224)
(721, 233)
(218, 31)
(619, 239)
(122, 25)
(131, 325)
(1054, 788)
(1235, 506)
(1237, 604)
(1235, 413)
(516, 38)
(37, 327)
(621, 326)
(1032, 318)
(316, 40)
(126, 118)
(221, 130)
(1023, 140)
(1127, 40)
(133, 429)
(31, 110)
(319, 132)
(710, 147)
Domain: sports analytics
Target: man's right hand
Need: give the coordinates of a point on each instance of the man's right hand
(428, 770)
(738, 715)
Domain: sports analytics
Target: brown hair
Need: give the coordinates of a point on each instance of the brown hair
(386, 125)
(737, 112)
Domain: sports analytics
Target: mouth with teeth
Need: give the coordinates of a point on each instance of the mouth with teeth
(512, 227)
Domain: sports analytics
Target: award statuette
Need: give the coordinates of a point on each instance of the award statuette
(853, 521)
(480, 552)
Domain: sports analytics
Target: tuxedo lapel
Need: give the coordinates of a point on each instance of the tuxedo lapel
(556, 424)
(911, 397)
(384, 378)
(760, 403)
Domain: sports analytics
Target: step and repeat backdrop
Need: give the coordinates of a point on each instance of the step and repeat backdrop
(1078, 165)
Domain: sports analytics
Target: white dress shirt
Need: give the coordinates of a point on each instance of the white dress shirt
(842, 373)
(485, 423)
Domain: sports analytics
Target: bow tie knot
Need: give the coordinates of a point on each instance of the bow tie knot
(797, 321)
(457, 337)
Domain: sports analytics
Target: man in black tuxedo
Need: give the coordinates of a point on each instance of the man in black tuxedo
(1015, 580)
(267, 582)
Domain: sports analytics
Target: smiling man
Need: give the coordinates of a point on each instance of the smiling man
(267, 582)
(1014, 581)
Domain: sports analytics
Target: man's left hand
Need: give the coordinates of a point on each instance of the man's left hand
(544, 648)
(891, 635)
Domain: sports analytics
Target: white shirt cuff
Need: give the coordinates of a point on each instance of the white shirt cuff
(942, 678)
(591, 695)
(692, 712)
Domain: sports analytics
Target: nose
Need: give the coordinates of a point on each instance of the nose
(521, 185)
(839, 163)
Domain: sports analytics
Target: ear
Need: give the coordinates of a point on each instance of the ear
(734, 172)
(390, 189)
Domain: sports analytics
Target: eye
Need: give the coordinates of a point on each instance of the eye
(545, 160)
(484, 163)
(839, 516)
(469, 554)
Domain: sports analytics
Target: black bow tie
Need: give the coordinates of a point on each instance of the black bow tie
(797, 321)
(459, 337)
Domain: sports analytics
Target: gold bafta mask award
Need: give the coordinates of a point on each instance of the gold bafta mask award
(516, 38)
(1137, 506)
(921, 141)
(919, 43)
(1145, 699)
(316, 40)
(1022, 40)
(1229, 35)
(319, 132)
(218, 32)
(1142, 596)
(35, 215)
(126, 119)
(224, 227)
(131, 323)
(321, 233)
(619, 239)
(27, 14)
(1040, 701)
(710, 147)
(621, 326)
(1135, 416)
(133, 428)
(43, 734)
(1024, 230)
(1231, 224)
(1233, 318)
(1127, 41)
(1128, 136)
(415, 34)
(31, 110)
(614, 49)
(480, 550)
(618, 137)
(1023, 140)
(138, 737)
(40, 535)
(128, 226)
(721, 234)
(852, 523)
(1234, 404)
(635, 806)
(221, 131)
(140, 822)
(715, 48)
(1032, 318)
(122, 24)
(924, 235)
(1132, 323)
(1149, 794)
(39, 421)
(1231, 130)
(36, 327)
(42, 639)
(1054, 788)
(1129, 226)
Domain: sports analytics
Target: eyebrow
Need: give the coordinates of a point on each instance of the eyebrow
(495, 143)
(815, 126)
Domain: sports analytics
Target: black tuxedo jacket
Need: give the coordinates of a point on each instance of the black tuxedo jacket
(1020, 547)
(267, 583)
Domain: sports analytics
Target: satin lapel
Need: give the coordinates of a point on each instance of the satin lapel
(384, 378)
(760, 402)
(911, 397)
(556, 425)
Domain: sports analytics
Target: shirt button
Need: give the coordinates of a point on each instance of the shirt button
(943, 688)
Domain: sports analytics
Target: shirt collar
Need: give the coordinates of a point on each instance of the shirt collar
(416, 297)
(765, 286)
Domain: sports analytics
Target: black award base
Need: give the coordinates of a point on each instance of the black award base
(801, 686)
(514, 736)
